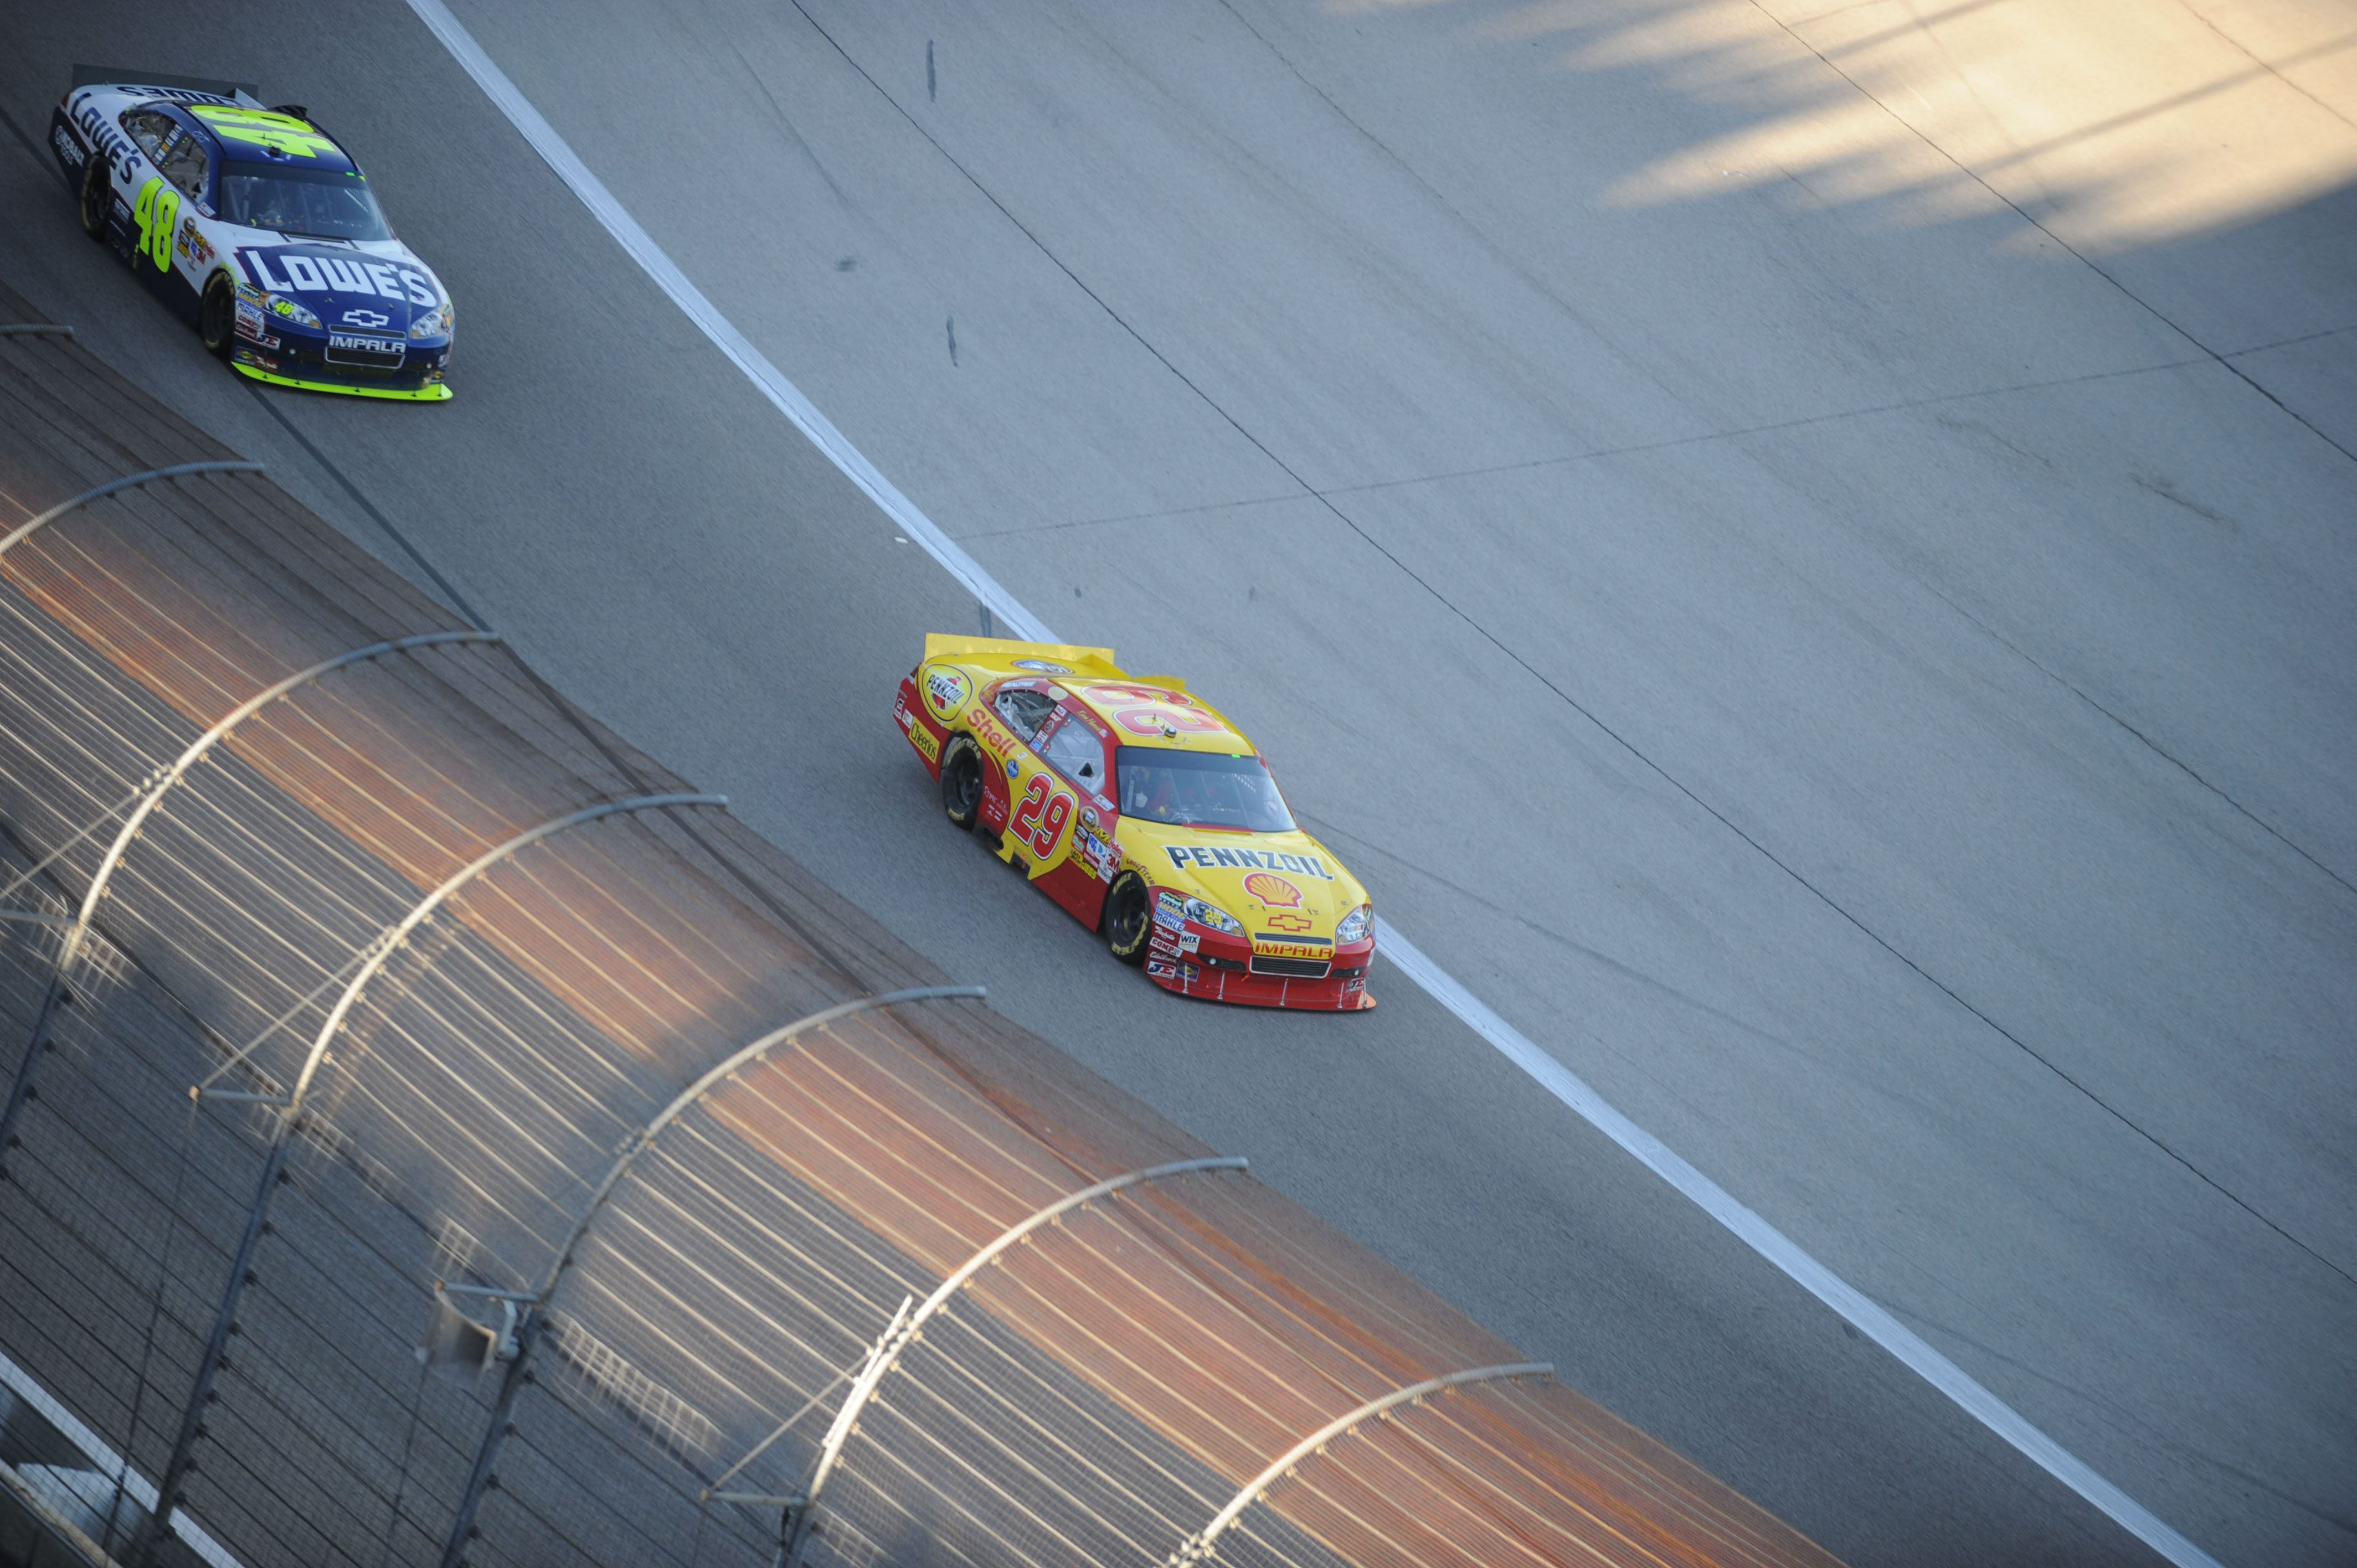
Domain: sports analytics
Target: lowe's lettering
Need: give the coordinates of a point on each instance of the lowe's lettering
(312, 273)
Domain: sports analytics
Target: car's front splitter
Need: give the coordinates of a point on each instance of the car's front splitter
(1189, 977)
(435, 392)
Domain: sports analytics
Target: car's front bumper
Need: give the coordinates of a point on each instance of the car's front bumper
(1216, 968)
(434, 391)
(298, 361)
(1188, 977)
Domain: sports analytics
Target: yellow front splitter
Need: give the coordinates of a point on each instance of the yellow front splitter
(437, 393)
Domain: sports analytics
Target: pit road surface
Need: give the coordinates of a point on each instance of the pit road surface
(1867, 688)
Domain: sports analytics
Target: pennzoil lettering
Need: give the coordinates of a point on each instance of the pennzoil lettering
(1218, 857)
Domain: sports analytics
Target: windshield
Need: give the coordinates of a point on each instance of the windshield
(1197, 788)
(320, 203)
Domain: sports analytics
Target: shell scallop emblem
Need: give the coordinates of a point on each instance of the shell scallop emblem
(1274, 891)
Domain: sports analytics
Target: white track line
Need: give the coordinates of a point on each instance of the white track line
(1552, 1075)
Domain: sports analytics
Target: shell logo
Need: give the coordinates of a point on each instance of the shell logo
(1272, 891)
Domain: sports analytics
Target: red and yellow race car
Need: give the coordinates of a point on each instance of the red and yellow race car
(1149, 817)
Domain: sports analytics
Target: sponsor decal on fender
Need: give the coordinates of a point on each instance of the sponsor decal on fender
(1160, 968)
(1098, 858)
(1170, 910)
(192, 244)
(108, 142)
(946, 690)
(922, 739)
(1219, 858)
(995, 737)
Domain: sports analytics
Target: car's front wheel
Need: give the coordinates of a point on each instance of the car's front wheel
(1129, 918)
(97, 195)
(217, 318)
(962, 780)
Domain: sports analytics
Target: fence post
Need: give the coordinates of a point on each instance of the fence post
(148, 798)
(802, 1511)
(535, 1318)
(289, 1121)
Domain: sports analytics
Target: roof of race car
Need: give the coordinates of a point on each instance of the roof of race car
(1133, 707)
(265, 135)
(1157, 711)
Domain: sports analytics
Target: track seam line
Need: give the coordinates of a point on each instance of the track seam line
(2166, 756)
(2018, 211)
(1638, 448)
(1764, 1238)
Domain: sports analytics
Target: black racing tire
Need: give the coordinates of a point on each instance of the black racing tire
(962, 781)
(97, 195)
(217, 314)
(1128, 918)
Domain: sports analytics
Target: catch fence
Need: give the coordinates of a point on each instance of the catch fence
(438, 1133)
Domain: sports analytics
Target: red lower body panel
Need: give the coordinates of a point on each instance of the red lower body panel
(1327, 996)
(1196, 962)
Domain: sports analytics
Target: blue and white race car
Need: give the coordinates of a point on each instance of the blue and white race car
(261, 231)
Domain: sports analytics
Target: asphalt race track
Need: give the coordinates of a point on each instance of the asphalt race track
(1827, 599)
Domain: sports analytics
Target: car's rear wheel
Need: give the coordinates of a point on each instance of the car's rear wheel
(962, 780)
(1129, 918)
(97, 195)
(217, 317)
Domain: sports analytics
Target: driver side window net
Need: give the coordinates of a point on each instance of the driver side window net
(149, 128)
(1025, 711)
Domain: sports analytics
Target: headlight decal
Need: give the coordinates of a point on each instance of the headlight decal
(1204, 913)
(285, 309)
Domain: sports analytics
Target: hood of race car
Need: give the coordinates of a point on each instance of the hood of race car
(350, 289)
(1278, 884)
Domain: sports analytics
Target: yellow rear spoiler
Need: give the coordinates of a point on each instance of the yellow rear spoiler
(1003, 651)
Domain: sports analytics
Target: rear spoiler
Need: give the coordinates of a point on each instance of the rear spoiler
(1000, 650)
(124, 76)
